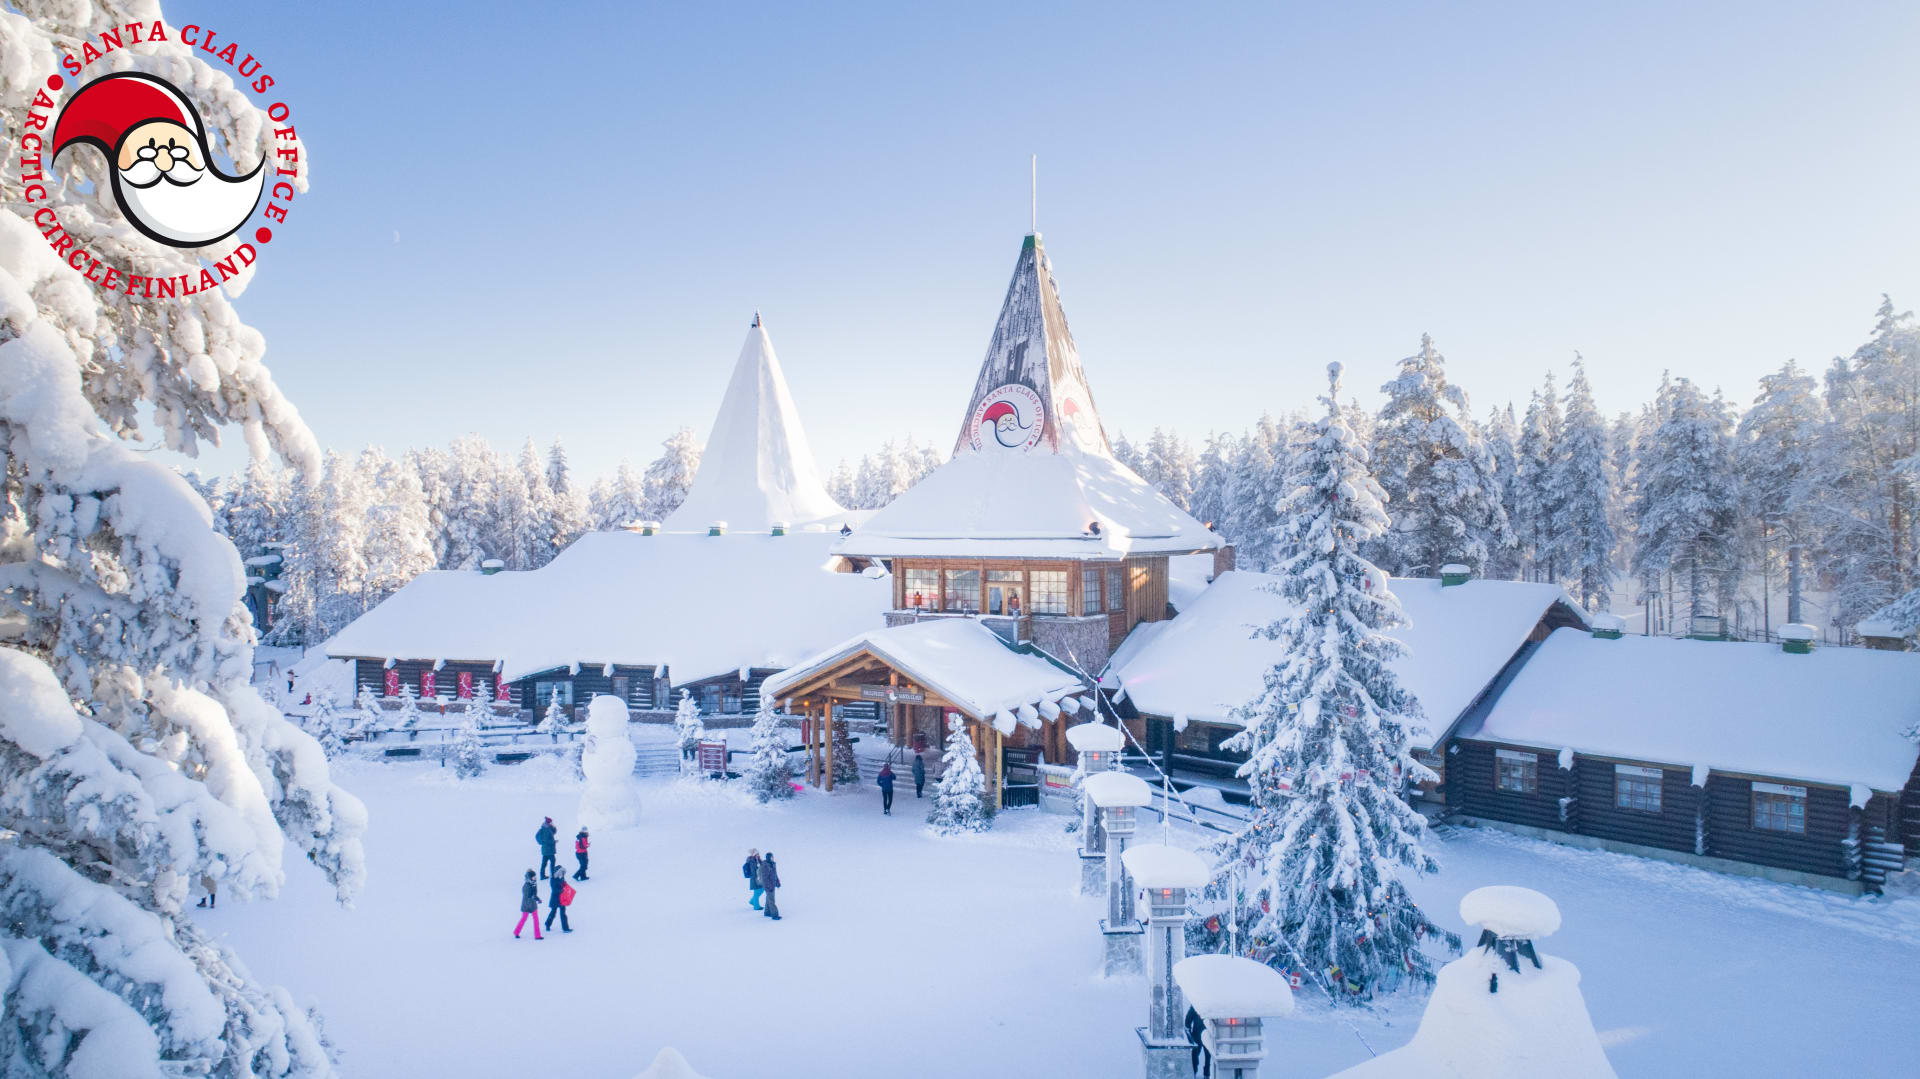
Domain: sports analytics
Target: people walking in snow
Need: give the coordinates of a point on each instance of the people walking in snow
(529, 907)
(751, 870)
(769, 878)
(885, 779)
(560, 899)
(580, 854)
(919, 776)
(213, 891)
(1196, 1028)
(549, 839)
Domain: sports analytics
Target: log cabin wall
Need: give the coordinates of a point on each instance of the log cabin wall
(1731, 832)
(372, 674)
(1473, 786)
(1672, 828)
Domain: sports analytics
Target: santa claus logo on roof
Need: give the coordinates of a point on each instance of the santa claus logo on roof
(1009, 418)
(164, 178)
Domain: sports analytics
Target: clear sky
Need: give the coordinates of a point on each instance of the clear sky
(558, 220)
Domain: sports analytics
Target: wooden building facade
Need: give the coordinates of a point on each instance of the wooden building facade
(644, 688)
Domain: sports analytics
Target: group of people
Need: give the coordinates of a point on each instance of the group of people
(763, 882)
(885, 780)
(561, 892)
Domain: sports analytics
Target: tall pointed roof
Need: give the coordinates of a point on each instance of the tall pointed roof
(1032, 475)
(757, 468)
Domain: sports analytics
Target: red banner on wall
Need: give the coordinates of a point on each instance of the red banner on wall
(503, 692)
(464, 686)
(428, 682)
(393, 682)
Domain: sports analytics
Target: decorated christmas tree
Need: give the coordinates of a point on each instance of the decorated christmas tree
(960, 797)
(687, 722)
(768, 773)
(469, 760)
(846, 768)
(555, 719)
(1329, 835)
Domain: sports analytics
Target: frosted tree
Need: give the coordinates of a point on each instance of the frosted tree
(367, 712)
(256, 511)
(323, 716)
(1501, 435)
(1581, 539)
(1437, 475)
(396, 527)
(1257, 473)
(526, 512)
(554, 720)
(1213, 483)
(769, 772)
(883, 476)
(468, 489)
(688, 727)
(1535, 497)
(1169, 466)
(612, 798)
(570, 520)
(408, 718)
(1128, 454)
(840, 486)
(618, 502)
(325, 563)
(670, 476)
(1323, 861)
(1775, 458)
(328, 735)
(960, 795)
(1686, 505)
(469, 759)
(135, 758)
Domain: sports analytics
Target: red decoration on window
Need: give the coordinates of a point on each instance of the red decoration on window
(393, 682)
(503, 692)
(463, 687)
(428, 682)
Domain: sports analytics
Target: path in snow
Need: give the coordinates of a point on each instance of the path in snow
(903, 954)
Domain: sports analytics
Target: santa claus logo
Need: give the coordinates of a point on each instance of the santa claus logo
(1009, 418)
(163, 174)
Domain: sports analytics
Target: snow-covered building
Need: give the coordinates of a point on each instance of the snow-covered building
(1184, 678)
(1752, 758)
(741, 582)
(1033, 534)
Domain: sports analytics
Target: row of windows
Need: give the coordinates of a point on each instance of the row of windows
(1010, 591)
(1776, 808)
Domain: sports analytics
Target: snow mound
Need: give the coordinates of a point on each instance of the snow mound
(1230, 987)
(1095, 737)
(1156, 865)
(669, 1064)
(1510, 911)
(1116, 789)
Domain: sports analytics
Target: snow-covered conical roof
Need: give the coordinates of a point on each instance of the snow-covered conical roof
(757, 468)
(1032, 475)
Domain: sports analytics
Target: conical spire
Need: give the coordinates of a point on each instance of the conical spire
(757, 468)
(1031, 395)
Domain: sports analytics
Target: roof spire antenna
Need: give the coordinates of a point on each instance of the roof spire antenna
(756, 317)
(1033, 208)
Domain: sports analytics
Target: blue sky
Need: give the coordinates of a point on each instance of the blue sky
(525, 223)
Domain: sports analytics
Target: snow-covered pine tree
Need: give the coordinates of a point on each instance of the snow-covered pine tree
(1581, 537)
(134, 755)
(1213, 482)
(1686, 505)
(570, 519)
(1537, 450)
(367, 713)
(1436, 473)
(688, 727)
(1170, 466)
(1257, 475)
(1324, 861)
(554, 720)
(840, 486)
(670, 476)
(397, 531)
(329, 737)
(1128, 454)
(324, 715)
(612, 798)
(1501, 435)
(534, 541)
(960, 795)
(619, 502)
(769, 773)
(408, 718)
(846, 767)
(1776, 447)
(469, 758)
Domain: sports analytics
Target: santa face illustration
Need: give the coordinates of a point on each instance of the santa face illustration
(163, 175)
(1009, 418)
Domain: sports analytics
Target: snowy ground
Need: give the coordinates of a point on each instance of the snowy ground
(906, 954)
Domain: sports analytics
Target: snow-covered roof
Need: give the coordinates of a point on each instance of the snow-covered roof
(1833, 716)
(1233, 987)
(699, 605)
(1095, 737)
(757, 468)
(1511, 911)
(1206, 662)
(1032, 475)
(1115, 790)
(957, 658)
(1157, 865)
(1901, 618)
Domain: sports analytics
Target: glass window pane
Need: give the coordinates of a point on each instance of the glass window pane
(1049, 591)
(1116, 589)
(922, 588)
(963, 590)
(1090, 591)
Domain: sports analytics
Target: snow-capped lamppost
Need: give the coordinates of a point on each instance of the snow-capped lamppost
(1165, 875)
(1098, 748)
(1234, 995)
(1119, 797)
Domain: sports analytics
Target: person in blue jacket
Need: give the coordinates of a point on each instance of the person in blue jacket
(558, 881)
(751, 870)
(885, 779)
(919, 777)
(549, 839)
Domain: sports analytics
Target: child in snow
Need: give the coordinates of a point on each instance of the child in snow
(751, 870)
(557, 902)
(213, 891)
(580, 852)
(770, 881)
(885, 779)
(529, 907)
(549, 839)
(919, 777)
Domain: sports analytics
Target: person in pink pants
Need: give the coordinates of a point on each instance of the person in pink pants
(529, 907)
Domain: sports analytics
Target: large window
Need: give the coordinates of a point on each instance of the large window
(545, 692)
(1049, 591)
(1116, 589)
(1516, 772)
(1780, 808)
(1004, 588)
(1636, 788)
(963, 591)
(922, 588)
(1090, 592)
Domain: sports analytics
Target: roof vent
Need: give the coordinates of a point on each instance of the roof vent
(1454, 573)
(1608, 627)
(717, 528)
(649, 528)
(1797, 638)
(492, 566)
(780, 528)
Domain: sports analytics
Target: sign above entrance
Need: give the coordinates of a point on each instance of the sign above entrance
(892, 695)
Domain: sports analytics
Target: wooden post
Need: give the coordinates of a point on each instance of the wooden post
(813, 747)
(826, 727)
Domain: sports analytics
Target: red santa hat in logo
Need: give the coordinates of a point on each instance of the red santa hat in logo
(105, 110)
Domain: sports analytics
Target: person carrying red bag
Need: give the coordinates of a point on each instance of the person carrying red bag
(560, 900)
(580, 852)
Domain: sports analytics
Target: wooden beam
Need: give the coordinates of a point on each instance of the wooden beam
(826, 724)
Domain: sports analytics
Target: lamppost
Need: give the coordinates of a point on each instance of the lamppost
(1164, 875)
(1098, 748)
(1119, 796)
(1233, 995)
